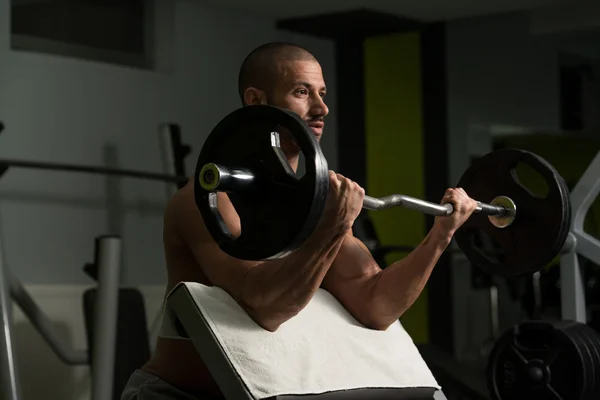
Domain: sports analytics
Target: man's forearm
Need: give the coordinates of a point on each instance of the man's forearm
(276, 291)
(398, 286)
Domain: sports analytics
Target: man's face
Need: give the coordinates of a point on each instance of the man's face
(301, 89)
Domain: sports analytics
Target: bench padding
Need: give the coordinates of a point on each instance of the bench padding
(321, 353)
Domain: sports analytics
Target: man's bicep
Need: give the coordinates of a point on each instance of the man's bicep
(353, 264)
(221, 269)
(351, 276)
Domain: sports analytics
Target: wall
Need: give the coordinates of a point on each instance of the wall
(498, 73)
(392, 82)
(62, 109)
(69, 110)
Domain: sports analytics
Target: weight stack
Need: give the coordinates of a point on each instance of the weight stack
(545, 360)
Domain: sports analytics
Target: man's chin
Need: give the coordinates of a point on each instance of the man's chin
(317, 132)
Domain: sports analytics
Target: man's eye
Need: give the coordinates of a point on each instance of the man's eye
(301, 91)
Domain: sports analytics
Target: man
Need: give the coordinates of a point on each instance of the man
(272, 292)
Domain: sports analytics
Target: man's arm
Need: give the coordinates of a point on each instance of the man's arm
(376, 297)
(271, 292)
(276, 291)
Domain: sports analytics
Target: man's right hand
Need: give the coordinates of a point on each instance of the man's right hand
(344, 202)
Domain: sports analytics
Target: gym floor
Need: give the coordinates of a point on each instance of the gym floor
(416, 93)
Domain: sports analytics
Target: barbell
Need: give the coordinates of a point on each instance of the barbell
(279, 209)
(220, 178)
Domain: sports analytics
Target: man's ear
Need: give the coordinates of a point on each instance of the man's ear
(253, 97)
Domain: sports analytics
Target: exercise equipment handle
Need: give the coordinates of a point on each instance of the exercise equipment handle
(426, 207)
(400, 200)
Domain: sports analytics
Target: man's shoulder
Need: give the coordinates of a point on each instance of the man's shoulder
(183, 218)
(180, 212)
(180, 203)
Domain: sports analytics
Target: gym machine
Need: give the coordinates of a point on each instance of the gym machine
(102, 301)
(555, 328)
(583, 195)
(567, 345)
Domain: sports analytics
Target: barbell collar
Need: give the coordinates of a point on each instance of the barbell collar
(213, 177)
(501, 211)
(491, 209)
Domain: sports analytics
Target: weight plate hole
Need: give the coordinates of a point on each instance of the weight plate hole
(301, 166)
(214, 208)
(530, 180)
(282, 142)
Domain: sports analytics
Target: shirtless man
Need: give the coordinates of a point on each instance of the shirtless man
(272, 292)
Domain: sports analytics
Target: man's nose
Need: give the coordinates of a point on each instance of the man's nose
(319, 107)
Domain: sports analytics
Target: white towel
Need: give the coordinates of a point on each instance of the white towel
(322, 349)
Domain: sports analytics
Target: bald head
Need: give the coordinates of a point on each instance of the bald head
(265, 65)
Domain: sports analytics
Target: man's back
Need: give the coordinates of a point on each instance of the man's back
(177, 361)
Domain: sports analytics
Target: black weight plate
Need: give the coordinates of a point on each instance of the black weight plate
(280, 210)
(584, 346)
(540, 227)
(592, 341)
(567, 217)
(536, 360)
(595, 339)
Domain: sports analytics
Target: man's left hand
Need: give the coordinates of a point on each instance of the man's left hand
(463, 205)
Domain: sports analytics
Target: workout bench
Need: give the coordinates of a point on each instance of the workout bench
(295, 361)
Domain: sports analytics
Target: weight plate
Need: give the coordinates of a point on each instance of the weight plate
(589, 369)
(280, 210)
(567, 217)
(537, 360)
(540, 227)
(592, 341)
(595, 339)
